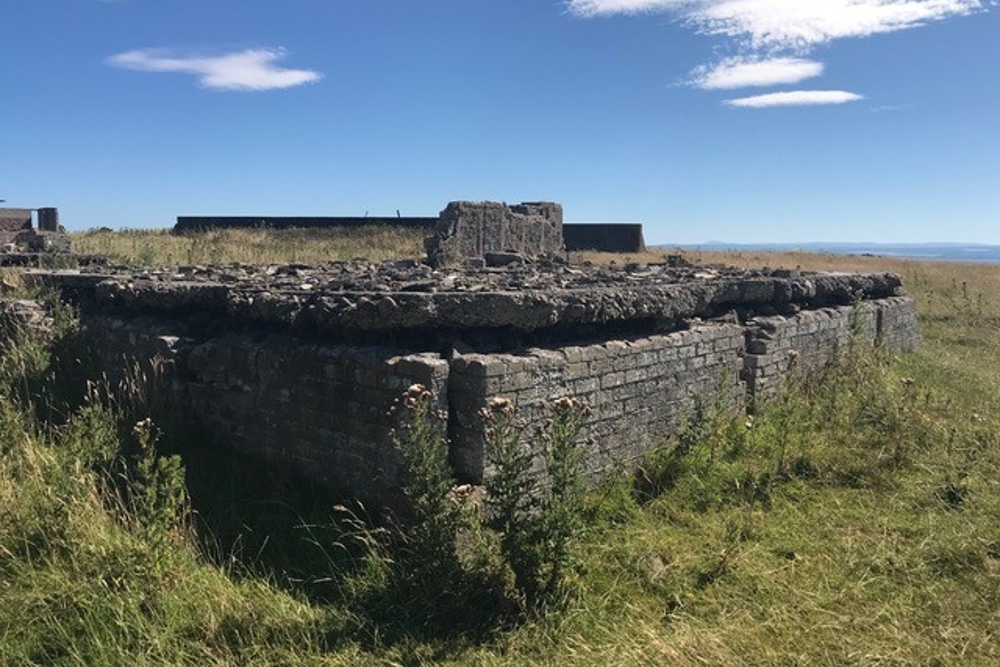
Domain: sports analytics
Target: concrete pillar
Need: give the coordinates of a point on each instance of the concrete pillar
(48, 220)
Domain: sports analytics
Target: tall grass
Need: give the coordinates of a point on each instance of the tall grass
(852, 521)
(251, 246)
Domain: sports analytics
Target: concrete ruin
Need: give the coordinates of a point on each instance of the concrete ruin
(23, 245)
(601, 237)
(299, 365)
(468, 230)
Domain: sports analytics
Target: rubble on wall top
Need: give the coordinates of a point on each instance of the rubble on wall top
(523, 295)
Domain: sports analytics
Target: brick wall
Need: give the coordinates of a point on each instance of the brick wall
(321, 408)
(780, 345)
(639, 390)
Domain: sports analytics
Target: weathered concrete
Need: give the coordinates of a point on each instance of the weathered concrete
(355, 300)
(17, 235)
(473, 229)
(48, 220)
(300, 365)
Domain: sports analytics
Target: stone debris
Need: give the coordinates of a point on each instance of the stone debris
(362, 296)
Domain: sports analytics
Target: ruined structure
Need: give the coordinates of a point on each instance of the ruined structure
(14, 219)
(21, 244)
(603, 237)
(300, 364)
(475, 229)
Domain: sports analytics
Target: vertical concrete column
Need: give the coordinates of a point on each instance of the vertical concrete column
(48, 220)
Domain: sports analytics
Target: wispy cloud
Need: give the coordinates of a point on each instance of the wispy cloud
(250, 69)
(795, 98)
(772, 37)
(743, 73)
(799, 24)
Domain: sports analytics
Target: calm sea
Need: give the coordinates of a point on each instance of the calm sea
(952, 252)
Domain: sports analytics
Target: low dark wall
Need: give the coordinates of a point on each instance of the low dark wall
(198, 223)
(15, 219)
(604, 237)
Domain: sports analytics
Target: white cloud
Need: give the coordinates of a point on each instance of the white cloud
(251, 69)
(742, 73)
(608, 7)
(788, 24)
(772, 36)
(802, 24)
(795, 98)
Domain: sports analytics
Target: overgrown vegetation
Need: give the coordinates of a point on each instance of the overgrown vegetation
(852, 521)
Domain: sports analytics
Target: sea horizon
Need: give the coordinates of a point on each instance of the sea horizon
(981, 253)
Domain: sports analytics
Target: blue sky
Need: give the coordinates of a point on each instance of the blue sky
(733, 120)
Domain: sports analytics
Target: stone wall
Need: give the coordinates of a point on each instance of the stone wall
(321, 410)
(48, 220)
(778, 347)
(300, 365)
(473, 229)
(638, 390)
(603, 237)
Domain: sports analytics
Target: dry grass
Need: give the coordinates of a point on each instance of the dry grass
(251, 246)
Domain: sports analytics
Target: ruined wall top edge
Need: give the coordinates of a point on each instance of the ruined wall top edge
(400, 297)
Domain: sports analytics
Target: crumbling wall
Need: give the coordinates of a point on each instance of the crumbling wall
(473, 229)
(17, 235)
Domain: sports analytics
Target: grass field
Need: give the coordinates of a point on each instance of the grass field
(854, 522)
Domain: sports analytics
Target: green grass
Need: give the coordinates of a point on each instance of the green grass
(856, 521)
